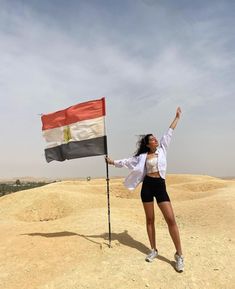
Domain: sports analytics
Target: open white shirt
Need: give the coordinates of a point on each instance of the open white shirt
(137, 163)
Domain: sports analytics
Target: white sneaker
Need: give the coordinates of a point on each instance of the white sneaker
(151, 256)
(179, 266)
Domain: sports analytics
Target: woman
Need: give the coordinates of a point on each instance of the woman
(149, 166)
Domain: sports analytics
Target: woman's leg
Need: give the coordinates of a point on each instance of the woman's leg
(149, 213)
(168, 214)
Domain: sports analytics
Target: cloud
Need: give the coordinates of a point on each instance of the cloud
(60, 64)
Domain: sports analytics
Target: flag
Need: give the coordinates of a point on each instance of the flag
(75, 132)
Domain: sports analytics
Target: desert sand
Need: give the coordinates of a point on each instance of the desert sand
(56, 236)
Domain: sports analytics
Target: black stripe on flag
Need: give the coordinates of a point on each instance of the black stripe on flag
(77, 149)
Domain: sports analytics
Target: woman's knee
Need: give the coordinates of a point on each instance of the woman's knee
(150, 220)
(171, 221)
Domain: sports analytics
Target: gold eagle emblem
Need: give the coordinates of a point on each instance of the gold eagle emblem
(67, 134)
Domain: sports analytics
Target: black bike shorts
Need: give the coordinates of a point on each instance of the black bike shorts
(154, 187)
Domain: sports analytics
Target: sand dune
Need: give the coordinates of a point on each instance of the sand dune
(56, 236)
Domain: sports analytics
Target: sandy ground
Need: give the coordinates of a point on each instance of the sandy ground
(56, 236)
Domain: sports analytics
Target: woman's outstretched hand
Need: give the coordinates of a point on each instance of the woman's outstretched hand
(178, 112)
(109, 161)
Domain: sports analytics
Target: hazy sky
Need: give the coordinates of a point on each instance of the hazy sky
(145, 56)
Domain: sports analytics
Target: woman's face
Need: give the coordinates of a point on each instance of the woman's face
(153, 142)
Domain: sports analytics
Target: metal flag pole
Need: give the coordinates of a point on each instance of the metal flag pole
(107, 179)
(108, 199)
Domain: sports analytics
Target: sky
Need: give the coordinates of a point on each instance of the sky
(146, 57)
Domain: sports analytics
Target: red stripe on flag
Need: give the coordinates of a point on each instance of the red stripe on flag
(82, 111)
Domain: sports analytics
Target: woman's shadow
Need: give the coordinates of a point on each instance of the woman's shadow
(123, 238)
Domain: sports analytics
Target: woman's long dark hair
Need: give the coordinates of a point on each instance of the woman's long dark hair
(142, 145)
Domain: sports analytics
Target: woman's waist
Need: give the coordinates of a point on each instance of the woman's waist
(153, 174)
(153, 178)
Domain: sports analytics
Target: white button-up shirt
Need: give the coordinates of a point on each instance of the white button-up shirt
(137, 163)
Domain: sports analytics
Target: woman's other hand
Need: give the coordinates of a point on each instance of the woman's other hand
(109, 161)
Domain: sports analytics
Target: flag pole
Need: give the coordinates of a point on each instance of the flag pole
(107, 175)
(108, 198)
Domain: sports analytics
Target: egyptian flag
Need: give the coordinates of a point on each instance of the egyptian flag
(75, 132)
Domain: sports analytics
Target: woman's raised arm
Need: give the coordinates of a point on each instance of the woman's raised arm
(176, 119)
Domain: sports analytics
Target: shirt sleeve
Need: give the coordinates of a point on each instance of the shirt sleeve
(166, 138)
(129, 163)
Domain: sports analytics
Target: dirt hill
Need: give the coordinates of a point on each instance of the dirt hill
(56, 236)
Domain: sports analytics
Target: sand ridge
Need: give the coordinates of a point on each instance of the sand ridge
(56, 236)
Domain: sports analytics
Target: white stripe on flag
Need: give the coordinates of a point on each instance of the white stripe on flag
(79, 131)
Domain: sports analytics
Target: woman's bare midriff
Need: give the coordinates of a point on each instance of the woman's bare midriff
(154, 175)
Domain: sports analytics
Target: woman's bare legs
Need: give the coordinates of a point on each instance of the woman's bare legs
(168, 214)
(149, 213)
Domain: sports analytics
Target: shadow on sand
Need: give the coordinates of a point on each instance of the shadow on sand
(123, 238)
